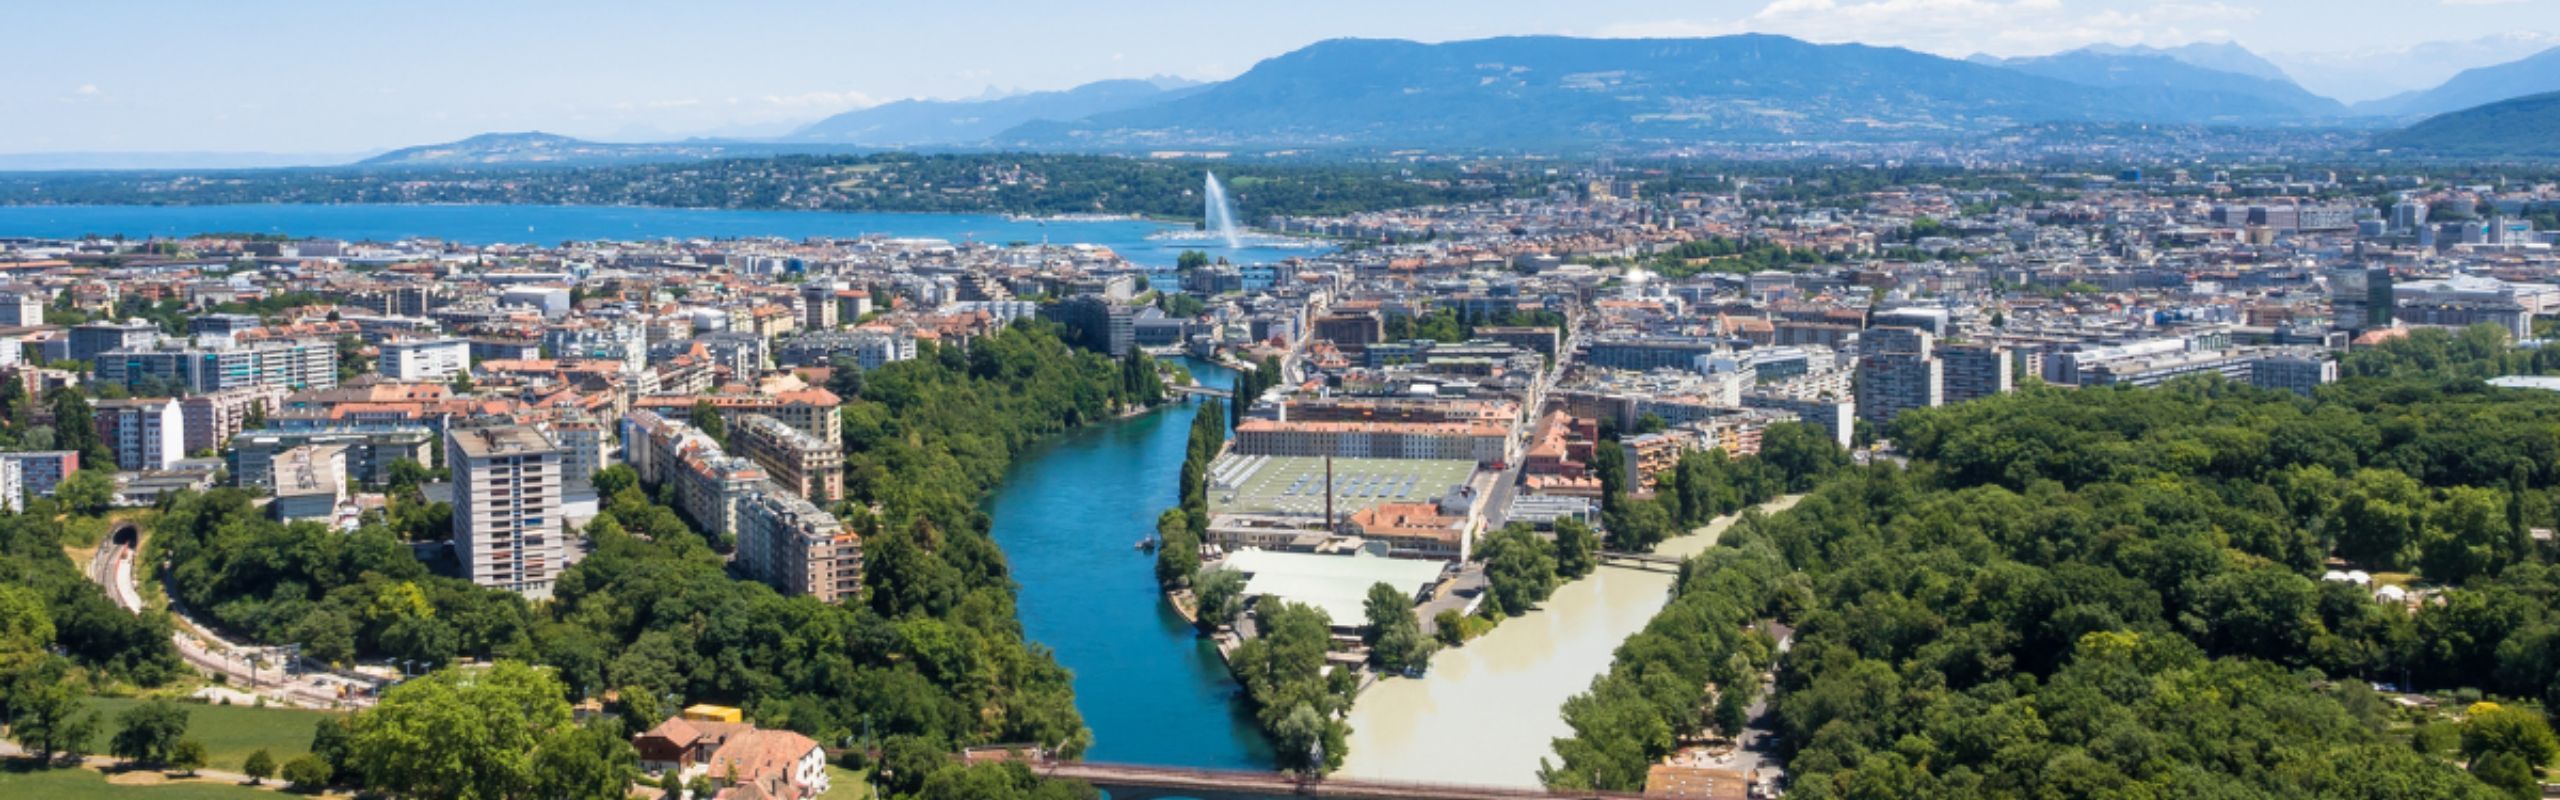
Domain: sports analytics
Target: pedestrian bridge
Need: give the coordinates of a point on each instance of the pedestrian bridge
(1643, 561)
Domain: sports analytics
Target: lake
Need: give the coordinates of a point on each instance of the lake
(546, 225)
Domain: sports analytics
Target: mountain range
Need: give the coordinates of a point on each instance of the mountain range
(2518, 128)
(921, 123)
(2246, 76)
(535, 148)
(2479, 86)
(1558, 93)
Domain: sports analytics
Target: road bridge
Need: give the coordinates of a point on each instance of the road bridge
(1132, 782)
(1200, 391)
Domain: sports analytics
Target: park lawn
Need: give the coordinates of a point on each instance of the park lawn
(88, 784)
(845, 784)
(229, 733)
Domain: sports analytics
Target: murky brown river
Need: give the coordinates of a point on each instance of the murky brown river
(1487, 712)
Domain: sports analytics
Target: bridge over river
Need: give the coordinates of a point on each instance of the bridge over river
(1132, 782)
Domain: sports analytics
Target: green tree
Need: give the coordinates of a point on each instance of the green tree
(1218, 596)
(2489, 728)
(706, 418)
(260, 766)
(1520, 569)
(1450, 628)
(73, 427)
(585, 762)
(307, 773)
(88, 492)
(1393, 634)
(1576, 549)
(149, 733)
(460, 732)
(188, 756)
(46, 716)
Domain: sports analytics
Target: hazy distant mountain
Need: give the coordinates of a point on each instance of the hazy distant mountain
(2534, 74)
(38, 162)
(2516, 128)
(537, 149)
(1554, 91)
(914, 123)
(2219, 56)
(2245, 95)
(2356, 76)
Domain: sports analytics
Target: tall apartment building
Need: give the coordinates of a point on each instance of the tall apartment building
(1898, 370)
(144, 433)
(801, 464)
(1095, 323)
(22, 306)
(797, 547)
(818, 306)
(35, 474)
(1975, 371)
(506, 507)
(423, 359)
(212, 418)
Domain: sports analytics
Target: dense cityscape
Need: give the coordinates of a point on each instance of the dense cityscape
(1984, 427)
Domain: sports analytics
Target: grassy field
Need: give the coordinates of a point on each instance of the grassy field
(229, 733)
(86, 784)
(1295, 485)
(844, 784)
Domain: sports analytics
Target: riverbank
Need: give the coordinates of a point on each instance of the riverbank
(1151, 691)
(1488, 712)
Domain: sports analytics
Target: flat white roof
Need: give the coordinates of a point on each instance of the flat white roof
(1337, 585)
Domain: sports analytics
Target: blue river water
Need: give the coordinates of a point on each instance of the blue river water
(1069, 516)
(546, 225)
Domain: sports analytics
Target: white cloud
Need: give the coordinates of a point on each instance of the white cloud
(1963, 27)
(1670, 29)
(86, 90)
(2481, 2)
(820, 101)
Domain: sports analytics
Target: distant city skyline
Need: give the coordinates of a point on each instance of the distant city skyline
(310, 77)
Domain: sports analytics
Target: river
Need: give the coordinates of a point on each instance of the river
(493, 224)
(1068, 516)
(1486, 713)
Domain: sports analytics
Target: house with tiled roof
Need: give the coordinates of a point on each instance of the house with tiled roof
(744, 761)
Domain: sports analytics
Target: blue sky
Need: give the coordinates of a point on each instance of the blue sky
(314, 77)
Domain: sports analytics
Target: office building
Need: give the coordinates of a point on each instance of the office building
(370, 450)
(507, 527)
(90, 340)
(424, 359)
(222, 325)
(1481, 442)
(143, 433)
(311, 484)
(289, 365)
